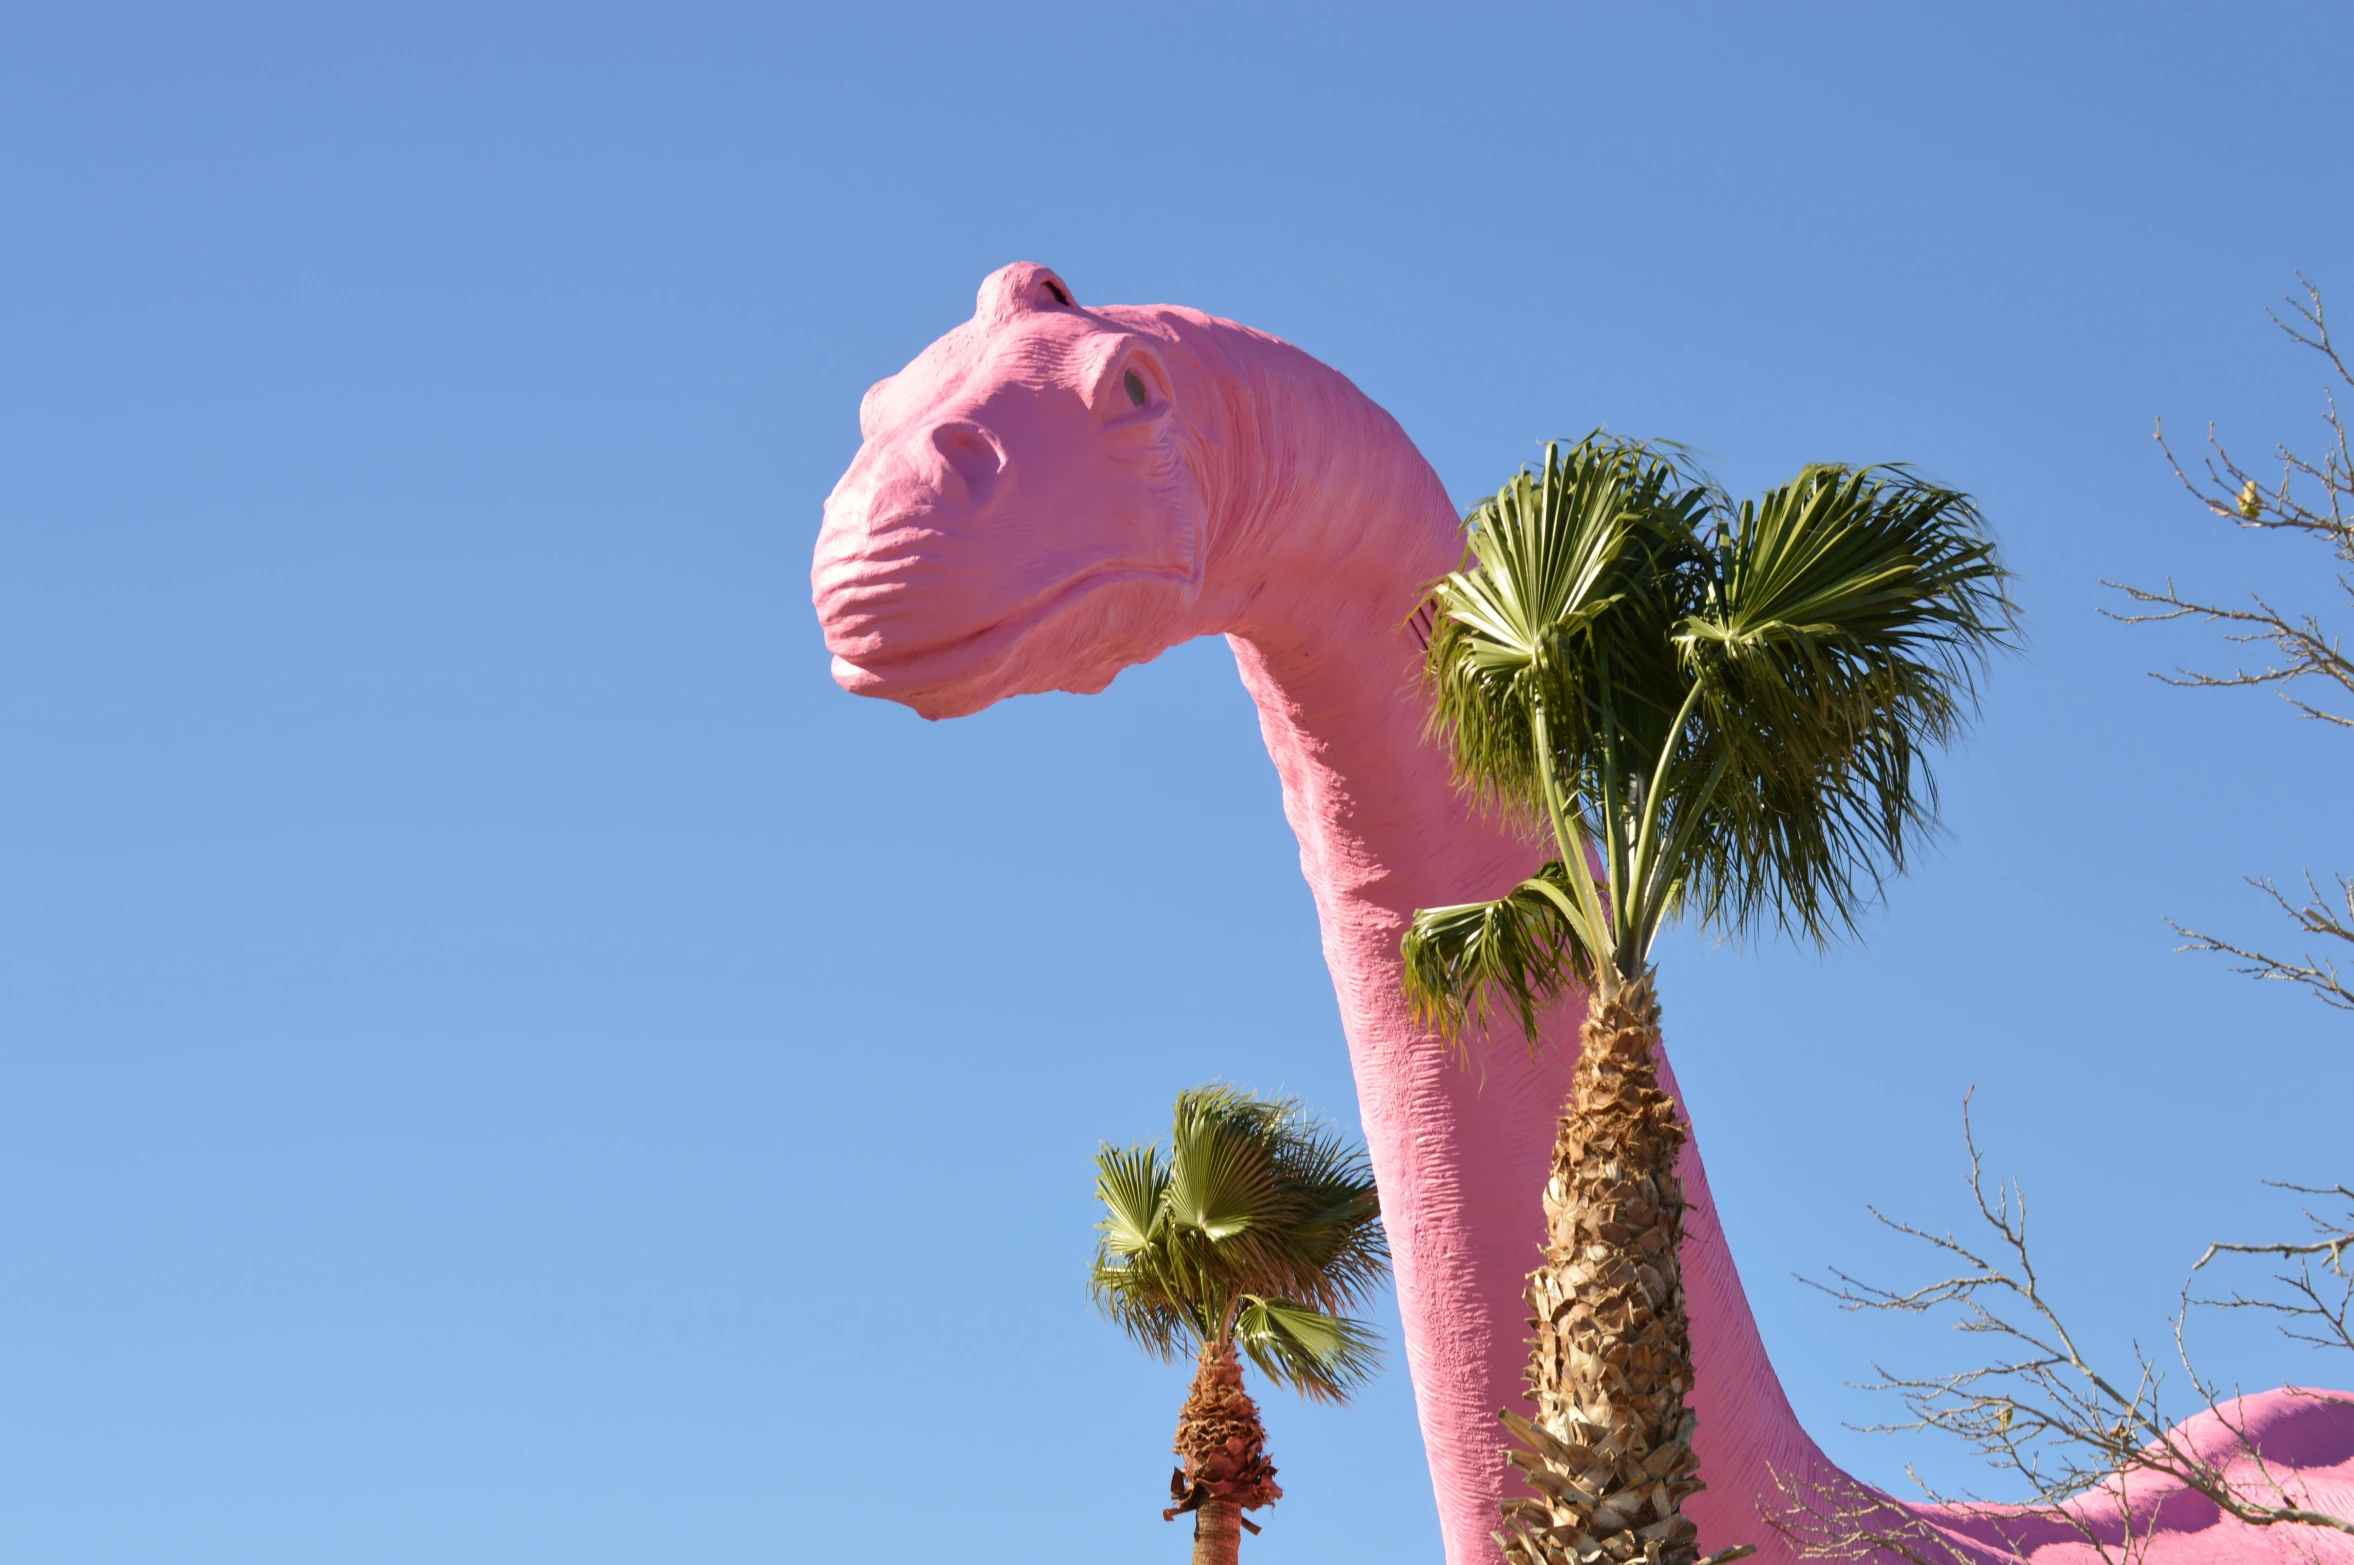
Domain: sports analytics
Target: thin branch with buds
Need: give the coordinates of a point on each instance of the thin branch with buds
(2305, 656)
(2315, 917)
(2316, 1310)
(2053, 1422)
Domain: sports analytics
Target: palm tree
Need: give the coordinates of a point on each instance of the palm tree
(1248, 1240)
(1718, 713)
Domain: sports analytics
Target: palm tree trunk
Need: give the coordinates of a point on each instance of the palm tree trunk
(1226, 1470)
(1610, 1452)
(1217, 1533)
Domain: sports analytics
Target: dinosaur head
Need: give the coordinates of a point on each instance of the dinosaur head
(1022, 515)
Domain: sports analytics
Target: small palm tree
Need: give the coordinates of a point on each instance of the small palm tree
(1249, 1240)
(1715, 712)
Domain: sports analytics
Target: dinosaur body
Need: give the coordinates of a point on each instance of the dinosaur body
(1050, 494)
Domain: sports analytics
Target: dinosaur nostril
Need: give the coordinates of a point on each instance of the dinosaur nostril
(971, 455)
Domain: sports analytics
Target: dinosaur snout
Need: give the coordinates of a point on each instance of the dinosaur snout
(867, 576)
(904, 563)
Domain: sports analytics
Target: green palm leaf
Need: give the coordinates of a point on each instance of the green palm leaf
(1257, 1213)
(1321, 1356)
(1133, 1187)
(1727, 710)
(1523, 948)
(1222, 1183)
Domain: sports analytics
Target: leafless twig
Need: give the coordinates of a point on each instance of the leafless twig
(2316, 1309)
(1833, 1517)
(2304, 655)
(2059, 1427)
(2315, 917)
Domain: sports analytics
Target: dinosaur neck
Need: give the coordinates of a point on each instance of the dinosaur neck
(1326, 528)
(1326, 525)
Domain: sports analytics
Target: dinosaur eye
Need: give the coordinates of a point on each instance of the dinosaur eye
(1135, 387)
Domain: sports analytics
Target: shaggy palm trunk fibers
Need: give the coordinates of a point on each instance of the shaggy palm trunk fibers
(1226, 1470)
(1610, 1451)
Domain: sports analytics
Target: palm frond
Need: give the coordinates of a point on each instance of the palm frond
(1854, 611)
(1564, 565)
(1322, 1356)
(1133, 1186)
(1334, 1245)
(1522, 949)
(1139, 1299)
(1129, 1278)
(1731, 708)
(1255, 1200)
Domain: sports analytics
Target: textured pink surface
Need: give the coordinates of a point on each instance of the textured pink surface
(1051, 493)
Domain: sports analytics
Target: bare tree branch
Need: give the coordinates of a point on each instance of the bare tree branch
(2315, 917)
(2306, 661)
(1836, 1518)
(2316, 1310)
(2054, 1424)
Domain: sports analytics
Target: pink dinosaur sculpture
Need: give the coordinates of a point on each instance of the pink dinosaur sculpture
(1049, 494)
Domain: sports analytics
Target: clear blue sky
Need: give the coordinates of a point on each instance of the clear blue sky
(500, 1060)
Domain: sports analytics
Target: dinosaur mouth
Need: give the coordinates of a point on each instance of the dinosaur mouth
(955, 676)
